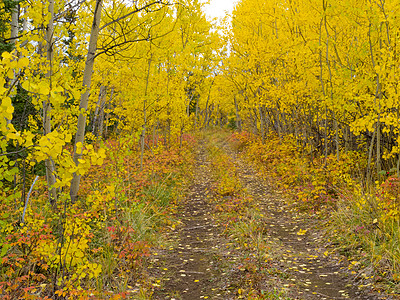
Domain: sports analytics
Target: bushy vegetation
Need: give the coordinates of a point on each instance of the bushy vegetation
(362, 222)
(96, 247)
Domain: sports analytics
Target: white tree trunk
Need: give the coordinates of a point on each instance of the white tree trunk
(87, 79)
(14, 25)
(98, 108)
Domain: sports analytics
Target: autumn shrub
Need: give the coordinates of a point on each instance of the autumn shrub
(389, 195)
(97, 247)
(48, 253)
(309, 183)
(369, 236)
(240, 140)
(367, 230)
(361, 224)
(142, 207)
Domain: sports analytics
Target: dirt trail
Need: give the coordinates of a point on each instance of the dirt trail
(313, 274)
(189, 270)
(199, 266)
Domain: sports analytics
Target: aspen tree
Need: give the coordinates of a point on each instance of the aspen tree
(144, 126)
(87, 77)
(49, 163)
(14, 24)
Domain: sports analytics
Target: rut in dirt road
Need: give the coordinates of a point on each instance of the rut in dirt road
(188, 270)
(202, 264)
(314, 274)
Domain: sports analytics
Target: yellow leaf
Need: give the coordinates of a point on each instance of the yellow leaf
(6, 55)
(23, 62)
(44, 88)
(302, 232)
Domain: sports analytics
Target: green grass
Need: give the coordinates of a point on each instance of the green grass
(362, 233)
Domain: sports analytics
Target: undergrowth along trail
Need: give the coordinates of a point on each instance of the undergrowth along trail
(359, 223)
(239, 238)
(297, 251)
(202, 220)
(97, 247)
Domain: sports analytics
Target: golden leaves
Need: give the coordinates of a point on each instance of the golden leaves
(302, 232)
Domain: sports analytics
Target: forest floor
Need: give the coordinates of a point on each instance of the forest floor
(271, 252)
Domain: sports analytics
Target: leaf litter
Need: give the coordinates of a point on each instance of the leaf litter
(191, 263)
(206, 263)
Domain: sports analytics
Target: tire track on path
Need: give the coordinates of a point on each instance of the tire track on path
(310, 272)
(189, 270)
(203, 262)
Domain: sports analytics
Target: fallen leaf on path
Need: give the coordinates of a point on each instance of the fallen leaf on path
(302, 232)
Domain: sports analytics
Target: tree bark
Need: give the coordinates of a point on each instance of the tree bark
(238, 122)
(101, 117)
(108, 112)
(261, 124)
(371, 148)
(98, 109)
(49, 163)
(378, 96)
(143, 136)
(101, 123)
(87, 79)
(13, 40)
(14, 24)
(208, 114)
(196, 113)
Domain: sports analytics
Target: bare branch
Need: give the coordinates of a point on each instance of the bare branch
(136, 11)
